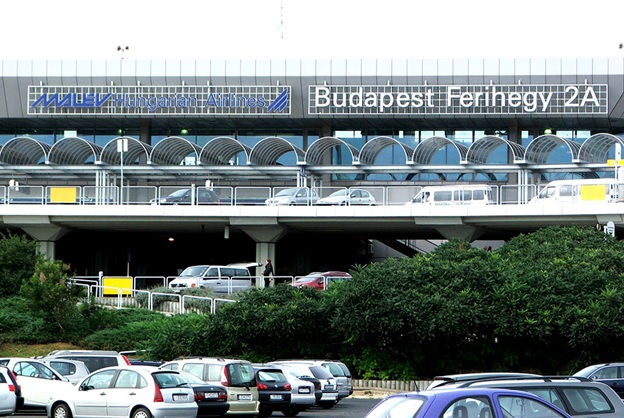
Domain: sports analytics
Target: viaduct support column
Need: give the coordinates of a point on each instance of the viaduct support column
(265, 237)
(40, 229)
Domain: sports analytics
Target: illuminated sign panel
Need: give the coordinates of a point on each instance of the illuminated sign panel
(158, 100)
(508, 99)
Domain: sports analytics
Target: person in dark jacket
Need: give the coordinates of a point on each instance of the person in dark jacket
(268, 272)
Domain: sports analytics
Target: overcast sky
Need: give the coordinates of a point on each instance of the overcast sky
(233, 29)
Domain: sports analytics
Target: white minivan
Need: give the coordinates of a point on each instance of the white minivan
(220, 279)
(458, 194)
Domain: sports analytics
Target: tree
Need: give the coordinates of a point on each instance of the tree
(52, 296)
(18, 255)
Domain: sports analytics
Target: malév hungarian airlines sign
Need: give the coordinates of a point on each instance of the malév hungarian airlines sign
(161, 100)
(458, 99)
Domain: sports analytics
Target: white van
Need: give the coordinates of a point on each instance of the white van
(580, 190)
(468, 194)
(221, 279)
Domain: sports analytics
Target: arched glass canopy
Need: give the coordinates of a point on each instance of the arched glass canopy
(481, 150)
(541, 148)
(174, 150)
(74, 151)
(24, 150)
(424, 152)
(268, 150)
(137, 151)
(222, 151)
(597, 148)
(375, 146)
(318, 149)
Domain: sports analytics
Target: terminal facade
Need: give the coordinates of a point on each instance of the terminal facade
(282, 123)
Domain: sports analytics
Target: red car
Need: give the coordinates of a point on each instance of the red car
(321, 281)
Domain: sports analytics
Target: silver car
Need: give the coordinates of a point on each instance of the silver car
(128, 392)
(350, 197)
(294, 196)
(72, 370)
(8, 393)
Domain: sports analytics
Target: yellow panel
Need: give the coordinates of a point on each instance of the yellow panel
(613, 162)
(63, 195)
(124, 283)
(593, 192)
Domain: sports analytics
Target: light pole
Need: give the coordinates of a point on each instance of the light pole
(122, 146)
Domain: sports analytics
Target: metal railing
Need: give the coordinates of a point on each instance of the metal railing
(226, 196)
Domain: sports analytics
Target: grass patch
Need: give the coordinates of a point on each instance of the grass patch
(33, 350)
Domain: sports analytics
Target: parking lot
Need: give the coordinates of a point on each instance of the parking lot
(346, 408)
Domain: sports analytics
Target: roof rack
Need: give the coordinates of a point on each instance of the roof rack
(541, 378)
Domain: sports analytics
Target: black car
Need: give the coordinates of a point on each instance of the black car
(211, 399)
(611, 374)
(185, 197)
(274, 391)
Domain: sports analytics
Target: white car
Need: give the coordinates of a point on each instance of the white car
(348, 197)
(38, 381)
(294, 196)
(303, 391)
(10, 398)
(128, 392)
(329, 386)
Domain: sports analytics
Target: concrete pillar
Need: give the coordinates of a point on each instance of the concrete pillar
(265, 237)
(46, 237)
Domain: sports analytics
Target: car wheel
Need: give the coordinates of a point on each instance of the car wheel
(61, 411)
(141, 413)
(327, 405)
(292, 204)
(343, 203)
(291, 411)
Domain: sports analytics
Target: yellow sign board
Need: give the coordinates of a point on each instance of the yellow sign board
(63, 195)
(113, 286)
(593, 192)
(613, 162)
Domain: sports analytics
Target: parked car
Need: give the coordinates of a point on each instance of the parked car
(237, 376)
(72, 370)
(274, 391)
(321, 280)
(11, 399)
(202, 196)
(344, 380)
(579, 397)
(306, 390)
(293, 196)
(211, 399)
(465, 403)
(37, 380)
(126, 391)
(220, 279)
(93, 359)
(348, 197)
(328, 381)
(448, 379)
(611, 374)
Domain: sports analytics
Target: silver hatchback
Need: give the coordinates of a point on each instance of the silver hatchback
(128, 392)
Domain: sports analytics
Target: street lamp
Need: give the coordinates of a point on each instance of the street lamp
(123, 50)
(122, 146)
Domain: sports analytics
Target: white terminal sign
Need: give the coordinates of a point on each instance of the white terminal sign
(459, 99)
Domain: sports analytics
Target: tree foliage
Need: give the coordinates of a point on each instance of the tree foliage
(18, 255)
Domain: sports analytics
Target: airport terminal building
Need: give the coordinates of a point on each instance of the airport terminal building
(319, 123)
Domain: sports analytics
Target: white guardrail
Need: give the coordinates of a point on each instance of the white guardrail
(172, 303)
(229, 196)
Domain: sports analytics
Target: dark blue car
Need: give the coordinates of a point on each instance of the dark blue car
(465, 403)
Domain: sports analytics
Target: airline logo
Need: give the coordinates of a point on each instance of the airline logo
(162, 100)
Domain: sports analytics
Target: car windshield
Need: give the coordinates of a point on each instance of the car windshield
(195, 271)
(397, 407)
(307, 279)
(287, 192)
(321, 372)
(192, 379)
(178, 193)
(342, 192)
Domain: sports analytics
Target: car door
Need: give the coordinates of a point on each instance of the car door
(212, 278)
(92, 397)
(7, 397)
(38, 382)
(125, 392)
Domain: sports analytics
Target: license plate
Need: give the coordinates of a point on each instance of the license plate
(329, 387)
(276, 397)
(244, 397)
(181, 398)
(304, 390)
(211, 395)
